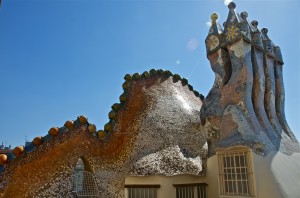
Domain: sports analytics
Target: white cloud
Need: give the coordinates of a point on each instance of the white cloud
(192, 44)
(208, 23)
(226, 2)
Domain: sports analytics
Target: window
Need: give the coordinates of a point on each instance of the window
(78, 175)
(191, 190)
(141, 191)
(84, 181)
(235, 172)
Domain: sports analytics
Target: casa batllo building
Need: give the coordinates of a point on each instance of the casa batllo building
(165, 140)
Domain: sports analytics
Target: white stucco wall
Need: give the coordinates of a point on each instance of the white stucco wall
(212, 177)
(275, 176)
(166, 190)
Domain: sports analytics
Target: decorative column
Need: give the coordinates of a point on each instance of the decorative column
(259, 81)
(229, 113)
(269, 64)
(280, 93)
(240, 121)
(211, 111)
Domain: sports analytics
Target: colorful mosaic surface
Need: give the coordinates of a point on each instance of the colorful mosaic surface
(156, 124)
(246, 104)
(161, 127)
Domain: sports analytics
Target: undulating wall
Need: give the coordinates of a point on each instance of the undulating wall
(277, 175)
(156, 124)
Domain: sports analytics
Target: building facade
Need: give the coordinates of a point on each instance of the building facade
(165, 140)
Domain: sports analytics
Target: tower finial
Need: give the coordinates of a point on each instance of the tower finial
(215, 33)
(236, 26)
(215, 27)
(256, 36)
(254, 24)
(264, 30)
(244, 15)
(268, 44)
(231, 6)
(214, 16)
(245, 27)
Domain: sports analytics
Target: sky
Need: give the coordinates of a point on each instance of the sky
(60, 59)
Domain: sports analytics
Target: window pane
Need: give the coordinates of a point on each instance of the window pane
(243, 176)
(191, 192)
(233, 174)
(231, 161)
(225, 161)
(142, 193)
(238, 176)
(226, 186)
(237, 161)
(243, 160)
(240, 188)
(245, 187)
(230, 189)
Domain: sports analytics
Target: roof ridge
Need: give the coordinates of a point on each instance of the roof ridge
(82, 120)
(108, 127)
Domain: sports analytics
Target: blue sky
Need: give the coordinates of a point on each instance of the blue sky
(62, 58)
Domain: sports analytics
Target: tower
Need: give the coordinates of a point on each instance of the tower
(246, 104)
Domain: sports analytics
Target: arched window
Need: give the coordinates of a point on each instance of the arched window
(84, 181)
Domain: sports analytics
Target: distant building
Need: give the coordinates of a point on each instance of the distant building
(5, 149)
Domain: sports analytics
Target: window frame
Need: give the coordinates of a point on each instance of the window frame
(197, 188)
(234, 152)
(141, 186)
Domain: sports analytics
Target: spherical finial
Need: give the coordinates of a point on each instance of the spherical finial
(82, 119)
(244, 15)
(101, 134)
(18, 151)
(53, 131)
(127, 77)
(37, 141)
(214, 16)
(3, 159)
(254, 23)
(264, 30)
(231, 5)
(116, 106)
(108, 127)
(69, 124)
(92, 128)
(123, 97)
(112, 115)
